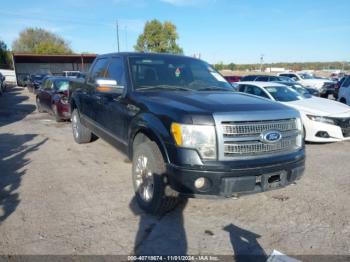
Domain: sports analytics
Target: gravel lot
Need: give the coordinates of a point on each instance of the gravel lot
(58, 197)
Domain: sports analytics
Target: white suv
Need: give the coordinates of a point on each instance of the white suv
(324, 86)
(344, 91)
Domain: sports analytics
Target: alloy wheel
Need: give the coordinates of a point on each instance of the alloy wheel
(144, 180)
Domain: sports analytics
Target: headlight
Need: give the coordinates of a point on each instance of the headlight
(199, 137)
(300, 138)
(321, 119)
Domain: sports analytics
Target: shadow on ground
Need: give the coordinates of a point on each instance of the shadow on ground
(245, 245)
(11, 107)
(13, 159)
(163, 235)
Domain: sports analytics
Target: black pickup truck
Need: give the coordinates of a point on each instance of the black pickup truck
(185, 129)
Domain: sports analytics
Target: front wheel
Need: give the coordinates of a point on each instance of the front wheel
(149, 179)
(80, 133)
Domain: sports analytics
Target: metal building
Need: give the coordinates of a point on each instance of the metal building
(29, 64)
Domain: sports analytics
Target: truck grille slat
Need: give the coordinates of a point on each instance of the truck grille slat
(250, 128)
(258, 147)
(237, 137)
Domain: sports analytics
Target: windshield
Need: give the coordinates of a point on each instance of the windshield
(301, 90)
(284, 93)
(286, 79)
(62, 85)
(174, 73)
(306, 76)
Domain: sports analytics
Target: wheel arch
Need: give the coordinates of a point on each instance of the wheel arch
(142, 135)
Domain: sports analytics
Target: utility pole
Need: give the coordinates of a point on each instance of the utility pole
(118, 48)
(261, 62)
(126, 38)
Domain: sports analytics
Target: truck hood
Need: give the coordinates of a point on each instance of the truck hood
(320, 107)
(182, 104)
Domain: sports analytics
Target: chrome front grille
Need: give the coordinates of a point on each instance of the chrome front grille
(244, 138)
(250, 128)
(256, 148)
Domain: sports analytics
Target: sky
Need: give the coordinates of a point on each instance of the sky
(237, 31)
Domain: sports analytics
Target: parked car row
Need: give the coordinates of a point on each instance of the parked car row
(315, 86)
(282, 80)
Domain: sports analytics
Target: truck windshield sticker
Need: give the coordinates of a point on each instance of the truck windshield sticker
(177, 72)
(218, 77)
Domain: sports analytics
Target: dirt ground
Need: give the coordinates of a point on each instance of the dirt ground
(58, 197)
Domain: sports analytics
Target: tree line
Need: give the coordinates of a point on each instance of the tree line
(345, 66)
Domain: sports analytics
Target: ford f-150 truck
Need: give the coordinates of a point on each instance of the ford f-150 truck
(185, 130)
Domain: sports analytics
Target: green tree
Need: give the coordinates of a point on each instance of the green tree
(5, 56)
(220, 66)
(158, 37)
(231, 66)
(40, 41)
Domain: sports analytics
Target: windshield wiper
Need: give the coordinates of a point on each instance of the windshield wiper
(165, 87)
(214, 88)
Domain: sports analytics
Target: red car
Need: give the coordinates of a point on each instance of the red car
(52, 97)
(232, 79)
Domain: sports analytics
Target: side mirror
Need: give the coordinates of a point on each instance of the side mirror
(294, 78)
(108, 86)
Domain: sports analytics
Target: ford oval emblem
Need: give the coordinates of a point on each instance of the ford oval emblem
(271, 136)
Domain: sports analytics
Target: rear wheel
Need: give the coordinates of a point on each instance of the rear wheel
(81, 134)
(342, 100)
(149, 179)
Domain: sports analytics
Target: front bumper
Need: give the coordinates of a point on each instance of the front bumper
(335, 132)
(236, 181)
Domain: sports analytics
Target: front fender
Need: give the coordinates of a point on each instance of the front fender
(153, 128)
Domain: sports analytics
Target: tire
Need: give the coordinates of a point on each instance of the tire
(81, 134)
(55, 113)
(152, 193)
(342, 100)
(38, 105)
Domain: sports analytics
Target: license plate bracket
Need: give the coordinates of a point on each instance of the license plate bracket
(273, 180)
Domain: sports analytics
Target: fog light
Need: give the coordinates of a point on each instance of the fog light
(201, 183)
(322, 134)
